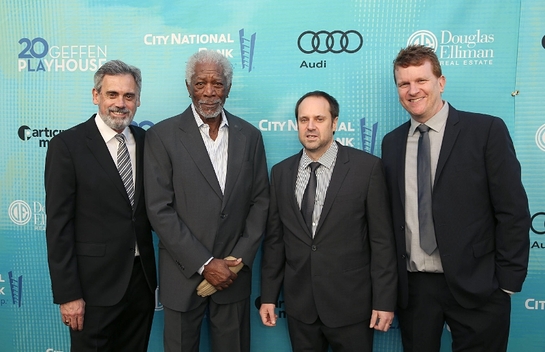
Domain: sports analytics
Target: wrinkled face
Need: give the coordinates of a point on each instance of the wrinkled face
(208, 90)
(420, 91)
(315, 126)
(117, 100)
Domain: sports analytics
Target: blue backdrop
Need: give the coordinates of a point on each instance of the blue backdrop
(492, 52)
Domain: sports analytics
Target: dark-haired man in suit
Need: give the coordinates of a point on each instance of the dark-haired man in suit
(329, 239)
(460, 215)
(99, 242)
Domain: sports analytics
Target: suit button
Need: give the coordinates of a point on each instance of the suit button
(402, 228)
(223, 216)
(313, 248)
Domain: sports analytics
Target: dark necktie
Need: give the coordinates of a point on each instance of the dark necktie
(425, 217)
(307, 203)
(124, 166)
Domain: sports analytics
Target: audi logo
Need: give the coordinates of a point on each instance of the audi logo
(335, 42)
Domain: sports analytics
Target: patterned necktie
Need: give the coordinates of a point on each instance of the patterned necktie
(425, 217)
(307, 203)
(124, 166)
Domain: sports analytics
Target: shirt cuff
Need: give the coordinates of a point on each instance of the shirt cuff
(201, 269)
(508, 292)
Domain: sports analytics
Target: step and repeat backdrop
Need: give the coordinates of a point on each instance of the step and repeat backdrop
(492, 53)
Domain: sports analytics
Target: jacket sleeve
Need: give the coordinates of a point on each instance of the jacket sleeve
(60, 192)
(510, 205)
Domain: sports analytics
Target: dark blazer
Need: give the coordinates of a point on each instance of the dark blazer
(91, 226)
(349, 267)
(192, 217)
(480, 208)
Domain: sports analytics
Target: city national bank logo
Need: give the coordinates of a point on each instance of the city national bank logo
(43, 135)
(247, 45)
(21, 213)
(458, 49)
(534, 304)
(206, 41)
(367, 131)
(38, 55)
(13, 296)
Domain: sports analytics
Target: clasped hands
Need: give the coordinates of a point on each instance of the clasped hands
(219, 274)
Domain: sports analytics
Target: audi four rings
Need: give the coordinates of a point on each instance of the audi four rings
(335, 42)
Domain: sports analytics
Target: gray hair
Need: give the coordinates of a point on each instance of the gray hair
(118, 67)
(209, 56)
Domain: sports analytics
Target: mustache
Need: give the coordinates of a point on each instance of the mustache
(217, 101)
(123, 111)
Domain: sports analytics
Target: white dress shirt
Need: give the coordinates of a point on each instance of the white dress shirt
(112, 143)
(323, 176)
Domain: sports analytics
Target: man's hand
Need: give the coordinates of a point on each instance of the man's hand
(268, 317)
(72, 314)
(381, 320)
(217, 273)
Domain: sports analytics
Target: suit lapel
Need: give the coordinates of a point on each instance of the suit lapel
(342, 165)
(289, 189)
(190, 138)
(138, 187)
(100, 151)
(237, 145)
(401, 150)
(452, 129)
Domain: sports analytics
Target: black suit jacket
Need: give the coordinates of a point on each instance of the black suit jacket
(349, 267)
(480, 208)
(192, 217)
(91, 226)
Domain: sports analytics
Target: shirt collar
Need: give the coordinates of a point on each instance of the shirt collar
(200, 122)
(436, 123)
(327, 159)
(107, 132)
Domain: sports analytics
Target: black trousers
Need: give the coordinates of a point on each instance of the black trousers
(431, 305)
(125, 326)
(317, 337)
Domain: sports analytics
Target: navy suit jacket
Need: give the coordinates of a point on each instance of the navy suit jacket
(480, 208)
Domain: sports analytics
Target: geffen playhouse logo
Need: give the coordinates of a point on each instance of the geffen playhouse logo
(39, 55)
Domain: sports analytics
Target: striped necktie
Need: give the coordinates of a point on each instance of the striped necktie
(124, 166)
